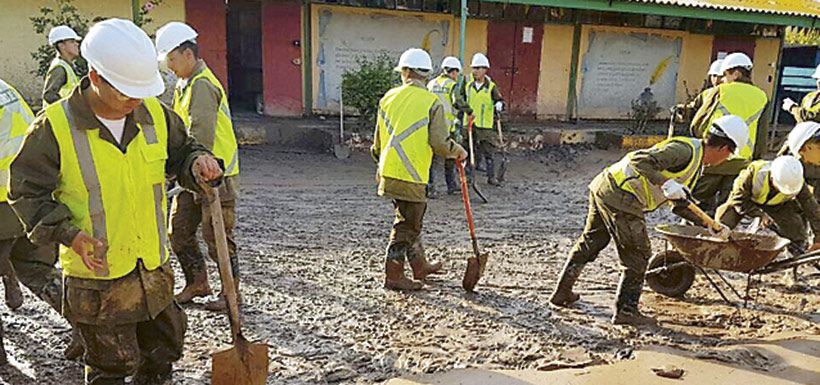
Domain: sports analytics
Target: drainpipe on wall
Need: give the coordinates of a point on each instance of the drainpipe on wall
(135, 10)
(307, 61)
(774, 112)
(572, 94)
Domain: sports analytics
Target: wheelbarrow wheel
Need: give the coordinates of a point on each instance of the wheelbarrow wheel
(673, 281)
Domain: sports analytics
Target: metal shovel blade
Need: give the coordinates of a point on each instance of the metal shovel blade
(244, 364)
(475, 269)
(341, 151)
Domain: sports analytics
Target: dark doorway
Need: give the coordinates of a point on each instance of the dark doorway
(245, 54)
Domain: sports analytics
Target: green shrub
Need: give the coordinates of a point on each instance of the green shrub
(363, 88)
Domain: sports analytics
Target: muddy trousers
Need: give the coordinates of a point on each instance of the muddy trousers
(449, 175)
(144, 350)
(35, 267)
(605, 223)
(187, 213)
(405, 237)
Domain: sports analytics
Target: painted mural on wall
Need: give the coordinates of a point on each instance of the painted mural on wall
(622, 68)
(344, 37)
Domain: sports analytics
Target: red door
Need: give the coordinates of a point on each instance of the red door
(282, 57)
(514, 50)
(207, 17)
(727, 44)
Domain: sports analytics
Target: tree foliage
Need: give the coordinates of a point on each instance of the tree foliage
(802, 36)
(363, 88)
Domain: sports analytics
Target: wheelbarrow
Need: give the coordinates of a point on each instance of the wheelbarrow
(693, 249)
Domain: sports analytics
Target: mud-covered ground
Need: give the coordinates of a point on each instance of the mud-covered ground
(312, 234)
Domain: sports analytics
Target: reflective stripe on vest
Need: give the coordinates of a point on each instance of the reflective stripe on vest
(481, 102)
(118, 198)
(403, 121)
(15, 117)
(225, 145)
(443, 87)
(70, 77)
(746, 101)
(761, 186)
(648, 194)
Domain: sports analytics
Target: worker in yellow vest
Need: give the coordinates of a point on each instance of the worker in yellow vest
(809, 107)
(776, 190)
(641, 182)
(410, 128)
(686, 111)
(803, 143)
(203, 105)
(483, 100)
(61, 76)
(91, 176)
(735, 96)
(444, 86)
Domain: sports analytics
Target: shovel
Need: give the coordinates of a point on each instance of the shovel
(340, 149)
(671, 132)
(707, 220)
(476, 263)
(472, 159)
(245, 363)
(502, 168)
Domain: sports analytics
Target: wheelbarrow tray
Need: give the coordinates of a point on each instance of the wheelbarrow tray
(743, 252)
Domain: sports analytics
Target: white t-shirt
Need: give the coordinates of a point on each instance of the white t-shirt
(115, 126)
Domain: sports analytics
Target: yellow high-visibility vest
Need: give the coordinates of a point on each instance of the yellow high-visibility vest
(225, 146)
(70, 77)
(403, 123)
(650, 195)
(115, 197)
(481, 102)
(811, 102)
(15, 117)
(762, 185)
(443, 87)
(747, 102)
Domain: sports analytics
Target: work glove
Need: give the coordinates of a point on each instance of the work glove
(724, 233)
(788, 104)
(499, 106)
(673, 190)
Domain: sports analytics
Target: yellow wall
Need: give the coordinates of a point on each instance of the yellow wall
(553, 80)
(764, 72)
(18, 39)
(476, 38)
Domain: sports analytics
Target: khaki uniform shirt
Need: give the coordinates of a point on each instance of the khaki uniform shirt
(55, 80)
(803, 115)
(10, 226)
(438, 138)
(35, 175)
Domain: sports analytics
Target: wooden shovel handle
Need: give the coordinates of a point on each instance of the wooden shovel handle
(703, 216)
(225, 271)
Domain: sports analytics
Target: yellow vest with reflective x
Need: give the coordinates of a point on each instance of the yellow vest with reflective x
(481, 102)
(116, 197)
(70, 77)
(762, 185)
(443, 87)
(650, 195)
(225, 146)
(15, 116)
(403, 121)
(811, 102)
(745, 101)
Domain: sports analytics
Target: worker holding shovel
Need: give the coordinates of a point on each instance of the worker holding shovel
(91, 176)
(484, 101)
(642, 182)
(410, 128)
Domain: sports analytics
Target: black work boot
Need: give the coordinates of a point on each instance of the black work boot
(563, 295)
(491, 179)
(626, 304)
(450, 177)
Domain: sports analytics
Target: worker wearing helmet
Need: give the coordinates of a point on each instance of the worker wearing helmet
(61, 77)
(203, 105)
(735, 96)
(641, 182)
(809, 107)
(483, 101)
(91, 176)
(803, 143)
(686, 111)
(777, 190)
(410, 128)
(444, 86)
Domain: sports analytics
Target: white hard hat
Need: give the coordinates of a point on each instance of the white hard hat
(801, 133)
(735, 60)
(732, 127)
(816, 73)
(171, 35)
(787, 175)
(479, 60)
(415, 59)
(60, 33)
(451, 63)
(714, 69)
(124, 56)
